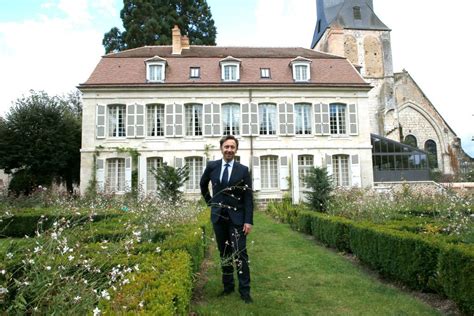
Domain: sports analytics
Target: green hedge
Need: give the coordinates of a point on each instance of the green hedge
(456, 274)
(399, 255)
(162, 287)
(419, 261)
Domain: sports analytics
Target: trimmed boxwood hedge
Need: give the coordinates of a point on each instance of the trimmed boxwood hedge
(420, 262)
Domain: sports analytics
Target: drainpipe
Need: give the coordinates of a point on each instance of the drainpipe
(251, 136)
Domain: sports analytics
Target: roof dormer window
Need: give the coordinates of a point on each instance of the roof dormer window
(155, 69)
(356, 12)
(230, 69)
(301, 69)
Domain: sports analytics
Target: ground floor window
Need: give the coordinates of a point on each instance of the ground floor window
(340, 170)
(151, 164)
(269, 170)
(195, 165)
(305, 162)
(115, 178)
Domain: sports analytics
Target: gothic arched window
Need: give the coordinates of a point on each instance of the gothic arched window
(430, 147)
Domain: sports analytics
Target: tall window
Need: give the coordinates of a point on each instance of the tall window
(301, 72)
(230, 72)
(195, 165)
(115, 178)
(231, 119)
(151, 164)
(116, 120)
(267, 116)
(269, 172)
(303, 118)
(340, 170)
(305, 162)
(337, 118)
(155, 118)
(193, 119)
(430, 147)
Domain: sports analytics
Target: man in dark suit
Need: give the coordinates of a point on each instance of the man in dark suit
(231, 214)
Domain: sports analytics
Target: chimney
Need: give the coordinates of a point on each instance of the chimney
(176, 37)
(184, 42)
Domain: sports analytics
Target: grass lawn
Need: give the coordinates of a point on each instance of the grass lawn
(292, 275)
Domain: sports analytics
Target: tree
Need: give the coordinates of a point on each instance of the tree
(149, 22)
(40, 140)
(169, 180)
(320, 186)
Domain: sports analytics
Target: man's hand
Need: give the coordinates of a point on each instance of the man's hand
(247, 228)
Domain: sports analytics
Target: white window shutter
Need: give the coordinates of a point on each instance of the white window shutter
(295, 184)
(131, 121)
(282, 117)
(178, 163)
(284, 173)
(100, 120)
(325, 118)
(355, 171)
(179, 120)
(353, 128)
(216, 119)
(169, 120)
(290, 120)
(254, 130)
(142, 173)
(245, 119)
(256, 176)
(128, 174)
(100, 174)
(207, 119)
(329, 165)
(318, 124)
(139, 120)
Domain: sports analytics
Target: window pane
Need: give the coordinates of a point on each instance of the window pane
(305, 162)
(269, 172)
(155, 120)
(151, 164)
(337, 118)
(195, 165)
(267, 113)
(231, 119)
(193, 119)
(340, 168)
(115, 178)
(116, 120)
(303, 118)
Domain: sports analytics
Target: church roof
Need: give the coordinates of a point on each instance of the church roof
(128, 68)
(348, 14)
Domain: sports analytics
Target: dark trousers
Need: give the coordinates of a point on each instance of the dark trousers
(231, 242)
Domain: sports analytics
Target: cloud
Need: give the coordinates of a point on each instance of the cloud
(44, 53)
(105, 7)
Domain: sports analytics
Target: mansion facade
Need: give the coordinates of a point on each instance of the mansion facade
(290, 108)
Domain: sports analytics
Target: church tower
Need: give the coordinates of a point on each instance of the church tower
(350, 28)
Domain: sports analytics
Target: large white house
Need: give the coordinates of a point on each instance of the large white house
(290, 108)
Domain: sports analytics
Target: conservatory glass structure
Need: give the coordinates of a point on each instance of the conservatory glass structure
(394, 161)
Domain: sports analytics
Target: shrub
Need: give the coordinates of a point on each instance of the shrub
(320, 187)
(169, 181)
(456, 274)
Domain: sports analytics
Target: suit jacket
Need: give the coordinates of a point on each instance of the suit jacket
(236, 198)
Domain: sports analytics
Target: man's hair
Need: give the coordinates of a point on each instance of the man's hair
(226, 138)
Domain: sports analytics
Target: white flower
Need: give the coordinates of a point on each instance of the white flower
(126, 281)
(48, 268)
(158, 249)
(3, 290)
(96, 311)
(3, 272)
(105, 295)
(141, 304)
(70, 258)
(77, 298)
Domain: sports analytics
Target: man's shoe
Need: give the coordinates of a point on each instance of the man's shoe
(225, 293)
(246, 298)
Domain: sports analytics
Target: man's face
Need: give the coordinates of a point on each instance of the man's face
(228, 149)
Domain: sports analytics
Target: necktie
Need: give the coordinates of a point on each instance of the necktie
(225, 175)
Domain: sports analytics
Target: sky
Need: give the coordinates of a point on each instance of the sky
(54, 45)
